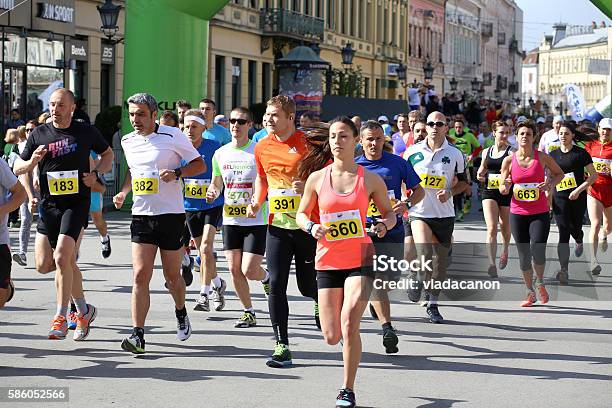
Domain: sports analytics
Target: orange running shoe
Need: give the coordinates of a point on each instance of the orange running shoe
(59, 328)
(530, 299)
(542, 293)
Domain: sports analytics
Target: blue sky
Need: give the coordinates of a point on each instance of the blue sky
(540, 15)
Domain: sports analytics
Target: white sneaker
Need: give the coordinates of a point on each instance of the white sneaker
(219, 296)
(183, 328)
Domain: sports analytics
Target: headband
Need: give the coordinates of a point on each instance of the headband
(195, 119)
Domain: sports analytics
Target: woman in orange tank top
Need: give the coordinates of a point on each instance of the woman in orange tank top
(343, 191)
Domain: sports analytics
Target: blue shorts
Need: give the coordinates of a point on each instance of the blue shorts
(96, 202)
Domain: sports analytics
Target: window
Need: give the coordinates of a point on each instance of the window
(378, 88)
(318, 8)
(343, 17)
(236, 76)
(220, 82)
(530, 80)
(331, 4)
(307, 9)
(265, 81)
(296, 6)
(252, 81)
(366, 85)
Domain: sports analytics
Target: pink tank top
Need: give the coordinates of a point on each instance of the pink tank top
(347, 245)
(527, 199)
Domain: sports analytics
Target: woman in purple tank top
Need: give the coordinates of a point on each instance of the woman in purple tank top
(525, 171)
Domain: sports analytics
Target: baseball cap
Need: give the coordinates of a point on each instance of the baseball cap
(383, 118)
(521, 119)
(395, 118)
(540, 119)
(220, 118)
(558, 118)
(605, 123)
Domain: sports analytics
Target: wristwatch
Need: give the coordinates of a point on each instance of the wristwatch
(178, 172)
(309, 227)
(408, 203)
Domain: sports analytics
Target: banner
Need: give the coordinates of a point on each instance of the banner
(575, 101)
(602, 109)
(306, 102)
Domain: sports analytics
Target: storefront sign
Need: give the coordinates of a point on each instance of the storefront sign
(79, 50)
(7, 4)
(108, 54)
(56, 12)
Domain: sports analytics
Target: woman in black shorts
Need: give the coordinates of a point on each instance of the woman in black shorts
(569, 198)
(496, 206)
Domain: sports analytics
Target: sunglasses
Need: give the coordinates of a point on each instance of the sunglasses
(239, 121)
(438, 124)
(29, 130)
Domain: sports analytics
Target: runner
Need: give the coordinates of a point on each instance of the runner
(277, 157)
(524, 171)
(153, 154)
(343, 191)
(203, 218)
(12, 194)
(213, 131)
(244, 239)
(95, 209)
(496, 206)
(60, 150)
(432, 219)
(398, 138)
(394, 171)
(599, 200)
(468, 144)
(549, 141)
(570, 198)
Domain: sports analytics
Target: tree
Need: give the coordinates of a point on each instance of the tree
(347, 82)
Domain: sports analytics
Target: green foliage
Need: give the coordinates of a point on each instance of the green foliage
(348, 82)
(107, 121)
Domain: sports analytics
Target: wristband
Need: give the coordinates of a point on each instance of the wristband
(309, 226)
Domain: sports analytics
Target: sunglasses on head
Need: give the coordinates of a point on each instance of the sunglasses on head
(438, 124)
(239, 121)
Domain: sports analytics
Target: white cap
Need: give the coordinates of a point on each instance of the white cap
(220, 118)
(605, 123)
(521, 119)
(395, 118)
(558, 118)
(540, 119)
(383, 118)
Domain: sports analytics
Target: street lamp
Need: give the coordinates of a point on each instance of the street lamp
(475, 85)
(347, 54)
(453, 84)
(109, 14)
(401, 74)
(428, 70)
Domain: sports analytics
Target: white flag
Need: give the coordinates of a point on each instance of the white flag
(575, 101)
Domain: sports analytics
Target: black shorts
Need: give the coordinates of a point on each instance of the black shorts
(442, 228)
(335, 279)
(164, 231)
(196, 220)
(251, 239)
(65, 218)
(502, 200)
(389, 246)
(407, 229)
(5, 266)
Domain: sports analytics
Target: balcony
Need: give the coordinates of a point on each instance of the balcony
(287, 23)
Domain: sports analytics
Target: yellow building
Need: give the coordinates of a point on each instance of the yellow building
(575, 55)
(246, 35)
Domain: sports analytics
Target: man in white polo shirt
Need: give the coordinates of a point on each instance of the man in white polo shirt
(549, 141)
(153, 154)
(432, 220)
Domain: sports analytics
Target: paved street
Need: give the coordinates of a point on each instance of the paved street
(487, 354)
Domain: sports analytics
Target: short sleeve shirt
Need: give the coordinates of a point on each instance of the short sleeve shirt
(206, 150)
(218, 133)
(7, 181)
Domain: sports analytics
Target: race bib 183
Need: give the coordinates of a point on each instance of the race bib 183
(63, 182)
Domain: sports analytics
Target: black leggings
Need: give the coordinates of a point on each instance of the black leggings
(530, 232)
(569, 215)
(281, 246)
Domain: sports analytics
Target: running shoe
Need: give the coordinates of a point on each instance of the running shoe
(266, 287)
(434, 314)
(459, 217)
(415, 287)
(246, 320)
(218, 296)
(542, 293)
(183, 328)
(578, 250)
(72, 320)
(529, 300)
(59, 328)
(281, 357)
(134, 344)
(186, 272)
(467, 207)
(202, 304)
(503, 260)
(373, 312)
(595, 268)
(390, 340)
(106, 248)
(563, 277)
(20, 258)
(346, 399)
(196, 265)
(425, 301)
(603, 244)
(492, 271)
(316, 315)
(84, 323)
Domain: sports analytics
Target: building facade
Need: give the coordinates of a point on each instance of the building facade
(54, 43)
(575, 55)
(529, 83)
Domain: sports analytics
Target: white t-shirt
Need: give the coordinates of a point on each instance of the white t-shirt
(413, 96)
(547, 138)
(146, 156)
(237, 168)
(437, 170)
